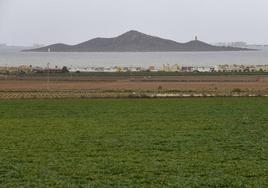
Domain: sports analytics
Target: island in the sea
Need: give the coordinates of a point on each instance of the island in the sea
(134, 41)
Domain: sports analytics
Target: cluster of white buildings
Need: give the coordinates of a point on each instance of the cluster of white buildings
(14, 69)
(175, 68)
(107, 69)
(163, 68)
(241, 68)
(238, 44)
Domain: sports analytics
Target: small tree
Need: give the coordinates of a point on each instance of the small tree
(65, 69)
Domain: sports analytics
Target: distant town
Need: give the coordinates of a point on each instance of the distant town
(24, 69)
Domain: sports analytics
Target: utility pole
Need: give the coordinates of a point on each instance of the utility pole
(48, 79)
(71, 73)
(48, 71)
(6, 72)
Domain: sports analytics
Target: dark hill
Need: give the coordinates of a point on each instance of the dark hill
(134, 41)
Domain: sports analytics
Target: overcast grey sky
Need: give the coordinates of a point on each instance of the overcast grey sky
(24, 22)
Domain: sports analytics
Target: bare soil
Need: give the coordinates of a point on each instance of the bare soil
(140, 83)
(113, 87)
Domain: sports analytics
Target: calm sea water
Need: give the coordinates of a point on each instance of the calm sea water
(13, 57)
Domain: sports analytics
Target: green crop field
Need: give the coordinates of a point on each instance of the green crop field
(195, 142)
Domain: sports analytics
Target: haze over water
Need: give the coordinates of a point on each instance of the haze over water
(16, 58)
(23, 23)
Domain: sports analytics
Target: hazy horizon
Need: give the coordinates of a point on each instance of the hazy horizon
(57, 21)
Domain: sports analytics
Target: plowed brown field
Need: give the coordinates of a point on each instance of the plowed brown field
(140, 83)
(124, 87)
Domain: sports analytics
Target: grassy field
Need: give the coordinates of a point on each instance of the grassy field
(197, 142)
